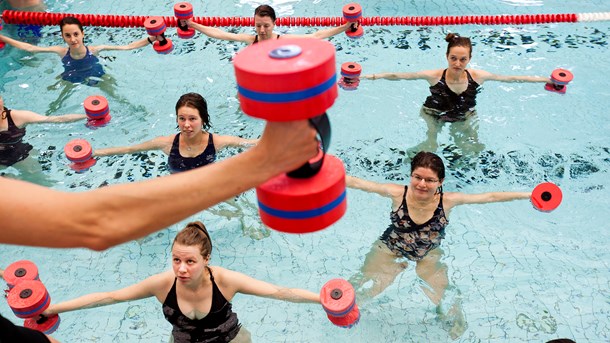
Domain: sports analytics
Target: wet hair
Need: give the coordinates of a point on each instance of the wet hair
(455, 39)
(70, 21)
(196, 101)
(424, 159)
(265, 11)
(195, 234)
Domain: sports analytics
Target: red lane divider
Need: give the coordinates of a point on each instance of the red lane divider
(44, 18)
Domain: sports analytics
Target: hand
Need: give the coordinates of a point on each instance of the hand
(187, 22)
(288, 145)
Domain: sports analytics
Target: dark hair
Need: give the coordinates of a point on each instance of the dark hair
(454, 39)
(196, 101)
(265, 11)
(424, 159)
(70, 21)
(195, 234)
(561, 340)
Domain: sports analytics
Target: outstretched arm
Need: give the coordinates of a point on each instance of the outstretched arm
(452, 199)
(428, 75)
(217, 33)
(133, 45)
(23, 118)
(233, 141)
(32, 48)
(158, 143)
(388, 190)
(144, 289)
(240, 283)
(324, 33)
(481, 76)
(115, 214)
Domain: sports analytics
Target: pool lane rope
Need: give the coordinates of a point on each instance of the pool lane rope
(107, 20)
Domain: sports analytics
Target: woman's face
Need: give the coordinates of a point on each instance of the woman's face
(187, 263)
(264, 27)
(72, 35)
(424, 182)
(458, 58)
(189, 121)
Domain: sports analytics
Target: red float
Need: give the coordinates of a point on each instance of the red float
(79, 151)
(546, 197)
(20, 271)
(338, 299)
(97, 110)
(353, 13)
(560, 78)
(350, 72)
(46, 325)
(286, 79)
(155, 26)
(184, 11)
(28, 298)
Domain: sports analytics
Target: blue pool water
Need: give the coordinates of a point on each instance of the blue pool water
(519, 274)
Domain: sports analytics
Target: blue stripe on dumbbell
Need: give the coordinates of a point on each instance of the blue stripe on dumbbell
(316, 212)
(288, 96)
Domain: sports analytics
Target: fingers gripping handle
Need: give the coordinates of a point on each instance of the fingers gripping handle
(311, 168)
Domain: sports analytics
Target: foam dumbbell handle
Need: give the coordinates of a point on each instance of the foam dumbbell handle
(46, 325)
(322, 126)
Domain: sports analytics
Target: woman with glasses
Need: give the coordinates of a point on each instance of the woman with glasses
(419, 217)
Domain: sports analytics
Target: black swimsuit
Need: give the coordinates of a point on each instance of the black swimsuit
(12, 147)
(178, 163)
(448, 105)
(411, 240)
(220, 325)
(256, 39)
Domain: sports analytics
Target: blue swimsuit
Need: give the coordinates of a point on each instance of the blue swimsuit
(448, 105)
(220, 325)
(178, 163)
(81, 70)
(411, 240)
(12, 147)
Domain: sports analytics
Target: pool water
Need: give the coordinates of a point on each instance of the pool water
(519, 274)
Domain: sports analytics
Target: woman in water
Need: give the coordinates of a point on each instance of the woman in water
(195, 296)
(419, 216)
(453, 92)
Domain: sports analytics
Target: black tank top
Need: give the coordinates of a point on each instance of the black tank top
(256, 39)
(220, 325)
(12, 147)
(178, 163)
(452, 107)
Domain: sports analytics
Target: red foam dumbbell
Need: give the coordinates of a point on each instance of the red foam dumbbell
(338, 299)
(546, 197)
(155, 26)
(560, 78)
(350, 76)
(97, 110)
(352, 13)
(20, 271)
(184, 11)
(80, 153)
(295, 79)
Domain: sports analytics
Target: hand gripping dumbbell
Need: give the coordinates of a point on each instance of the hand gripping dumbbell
(560, 78)
(80, 153)
(350, 76)
(97, 110)
(184, 11)
(546, 197)
(338, 299)
(28, 297)
(352, 13)
(295, 79)
(155, 26)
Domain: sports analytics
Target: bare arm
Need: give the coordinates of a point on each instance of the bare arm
(428, 75)
(144, 289)
(481, 76)
(240, 283)
(154, 144)
(23, 118)
(133, 45)
(217, 33)
(32, 48)
(232, 141)
(321, 34)
(452, 199)
(115, 214)
(388, 190)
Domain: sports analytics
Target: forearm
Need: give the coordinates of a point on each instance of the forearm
(17, 44)
(386, 76)
(86, 301)
(111, 215)
(508, 196)
(295, 295)
(123, 150)
(326, 33)
(66, 118)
